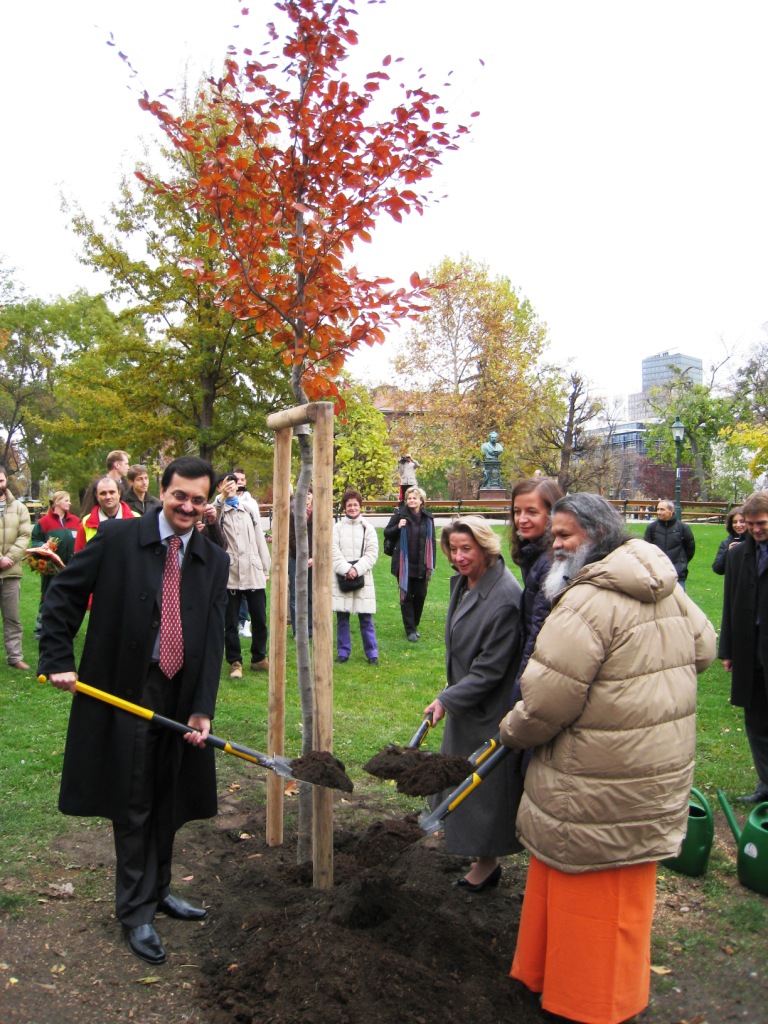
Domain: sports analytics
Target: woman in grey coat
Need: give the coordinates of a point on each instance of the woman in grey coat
(481, 654)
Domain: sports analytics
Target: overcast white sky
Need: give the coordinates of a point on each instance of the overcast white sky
(617, 174)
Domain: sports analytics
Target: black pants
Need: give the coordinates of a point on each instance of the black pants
(756, 727)
(412, 604)
(144, 841)
(257, 609)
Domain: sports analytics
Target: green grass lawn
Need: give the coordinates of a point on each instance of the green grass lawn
(374, 705)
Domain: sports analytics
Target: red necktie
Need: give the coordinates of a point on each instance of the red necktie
(171, 638)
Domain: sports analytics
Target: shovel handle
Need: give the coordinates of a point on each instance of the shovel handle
(151, 716)
(418, 737)
(462, 791)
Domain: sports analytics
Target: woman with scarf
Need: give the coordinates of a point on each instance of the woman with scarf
(412, 531)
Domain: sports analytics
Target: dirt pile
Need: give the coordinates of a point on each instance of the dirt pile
(391, 942)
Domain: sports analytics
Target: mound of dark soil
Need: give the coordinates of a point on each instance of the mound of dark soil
(390, 942)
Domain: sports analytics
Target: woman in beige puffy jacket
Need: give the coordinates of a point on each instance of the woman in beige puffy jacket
(609, 704)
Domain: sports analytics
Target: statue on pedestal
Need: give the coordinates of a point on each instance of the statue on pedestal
(491, 450)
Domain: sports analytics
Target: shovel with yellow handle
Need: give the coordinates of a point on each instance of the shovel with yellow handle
(279, 765)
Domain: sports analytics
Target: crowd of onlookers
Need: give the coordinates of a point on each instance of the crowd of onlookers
(586, 675)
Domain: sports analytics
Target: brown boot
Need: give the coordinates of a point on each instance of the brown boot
(260, 666)
(236, 670)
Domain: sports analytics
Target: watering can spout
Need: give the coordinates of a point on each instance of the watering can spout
(729, 815)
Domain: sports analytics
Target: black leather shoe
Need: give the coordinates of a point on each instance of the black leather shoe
(144, 942)
(413, 637)
(175, 906)
(753, 798)
(490, 883)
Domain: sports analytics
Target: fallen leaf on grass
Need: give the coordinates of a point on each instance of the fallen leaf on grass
(245, 835)
(150, 980)
(187, 878)
(728, 949)
(661, 970)
(65, 891)
(58, 969)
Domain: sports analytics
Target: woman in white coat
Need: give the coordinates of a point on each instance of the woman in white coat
(355, 550)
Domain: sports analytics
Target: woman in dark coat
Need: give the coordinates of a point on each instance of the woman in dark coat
(736, 526)
(530, 543)
(481, 649)
(412, 531)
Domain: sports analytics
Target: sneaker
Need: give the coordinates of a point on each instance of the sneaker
(260, 666)
(236, 670)
(413, 637)
(341, 659)
(373, 661)
(246, 629)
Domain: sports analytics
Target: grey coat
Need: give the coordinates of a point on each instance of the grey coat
(482, 632)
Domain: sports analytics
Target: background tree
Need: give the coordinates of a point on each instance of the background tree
(362, 455)
(304, 169)
(473, 360)
(565, 442)
(197, 378)
(37, 409)
(703, 412)
(748, 434)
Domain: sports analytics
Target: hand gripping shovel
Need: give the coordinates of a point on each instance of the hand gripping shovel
(281, 766)
(484, 759)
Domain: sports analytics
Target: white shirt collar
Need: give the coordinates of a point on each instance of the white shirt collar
(166, 531)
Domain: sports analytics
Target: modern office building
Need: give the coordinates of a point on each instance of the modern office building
(659, 370)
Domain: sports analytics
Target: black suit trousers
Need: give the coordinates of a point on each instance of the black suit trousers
(144, 841)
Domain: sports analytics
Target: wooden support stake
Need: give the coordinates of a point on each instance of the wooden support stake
(278, 628)
(322, 633)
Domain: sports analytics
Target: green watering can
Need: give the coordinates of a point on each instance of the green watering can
(752, 840)
(694, 853)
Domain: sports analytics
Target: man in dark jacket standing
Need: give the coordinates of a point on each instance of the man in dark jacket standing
(154, 639)
(673, 536)
(744, 634)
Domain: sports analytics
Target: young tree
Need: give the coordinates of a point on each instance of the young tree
(295, 161)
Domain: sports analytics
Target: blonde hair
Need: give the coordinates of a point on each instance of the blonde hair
(481, 532)
(416, 490)
(57, 496)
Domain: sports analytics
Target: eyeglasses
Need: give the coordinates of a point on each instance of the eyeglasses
(198, 502)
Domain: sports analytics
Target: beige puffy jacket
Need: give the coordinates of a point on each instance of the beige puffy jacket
(609, 703)
(15, 531)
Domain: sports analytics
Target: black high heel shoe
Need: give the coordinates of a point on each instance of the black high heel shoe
(490, 882)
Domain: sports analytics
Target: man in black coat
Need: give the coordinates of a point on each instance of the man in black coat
(744, 634)
(146, 779)
(673, 536)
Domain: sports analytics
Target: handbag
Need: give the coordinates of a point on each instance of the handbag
(345, 583)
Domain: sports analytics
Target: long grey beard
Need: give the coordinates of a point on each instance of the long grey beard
(563, 570)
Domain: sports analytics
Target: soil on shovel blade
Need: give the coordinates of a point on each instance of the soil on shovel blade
(418, 772)
(390, 942)
(323, 769)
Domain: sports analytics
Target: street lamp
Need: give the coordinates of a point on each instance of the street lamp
(678, 433)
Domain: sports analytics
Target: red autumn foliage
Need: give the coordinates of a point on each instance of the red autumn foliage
(295, 168)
